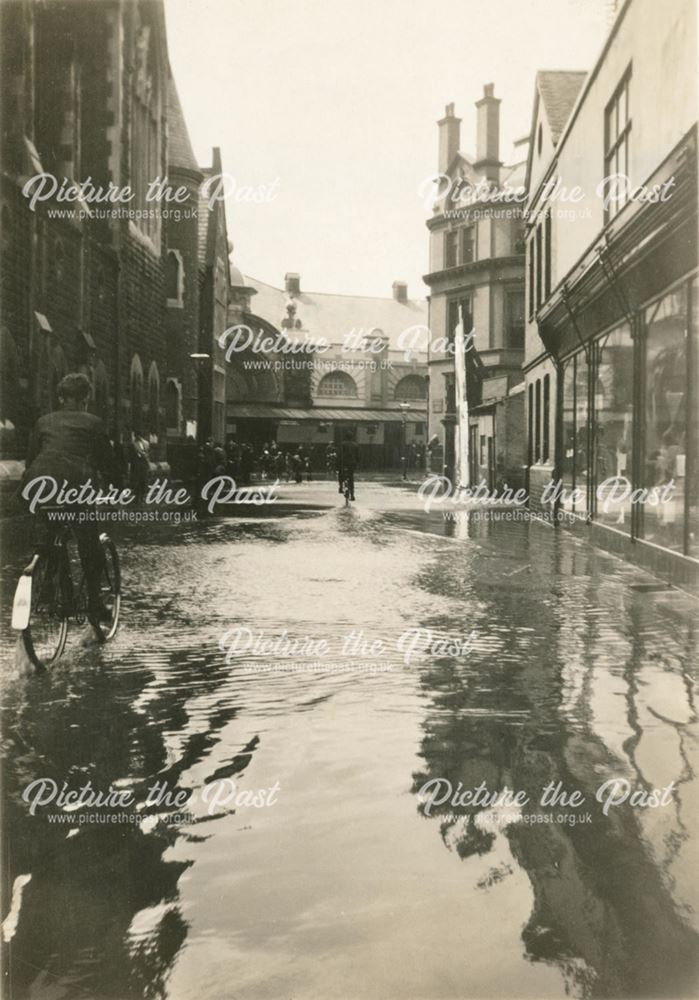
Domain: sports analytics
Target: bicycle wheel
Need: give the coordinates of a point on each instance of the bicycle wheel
(44, 638)
(110, 587)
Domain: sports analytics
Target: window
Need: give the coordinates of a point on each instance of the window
(614, 423)
(468, 244)
(153, 398)
(411, 387)
(531, 265)
(530, 425)
(451, 249)
(665, 416)
(482, 449)
(538, 267)
(514, 320)
(537, 422)
(174, 278)
(460, 246)
(145, 130)
(547, 416)
(617, 129)
(172, 405)
(337, 384)
(136, 385)
(454, 309)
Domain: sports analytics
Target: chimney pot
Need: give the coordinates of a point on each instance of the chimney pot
(400, 291)
(449, 138)
(488, 134)
(292, 283)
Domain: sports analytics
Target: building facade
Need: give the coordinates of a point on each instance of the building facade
(477, 278)
(366, 374)
(91, 280)
(611, 343)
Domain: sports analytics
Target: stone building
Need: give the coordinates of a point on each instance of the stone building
(612, 342)
(368, 378)
(477, 275)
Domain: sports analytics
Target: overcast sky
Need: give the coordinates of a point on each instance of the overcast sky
(331, 106)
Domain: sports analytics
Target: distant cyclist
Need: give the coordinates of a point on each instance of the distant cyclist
(348, 459)
(71, 444)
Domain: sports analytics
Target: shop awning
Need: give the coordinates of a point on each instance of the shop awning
(240, 411)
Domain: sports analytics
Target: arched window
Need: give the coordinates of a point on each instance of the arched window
(136, 394)
(174, 278)
(411, 387)
(172, 405)
(337, 384)
(153, 398)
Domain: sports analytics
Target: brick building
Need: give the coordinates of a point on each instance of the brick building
(94, 284)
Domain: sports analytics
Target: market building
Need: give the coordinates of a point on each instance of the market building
(365, 372)
(611, 342)
(476, 279)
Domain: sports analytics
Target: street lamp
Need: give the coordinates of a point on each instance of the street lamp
(404, 407)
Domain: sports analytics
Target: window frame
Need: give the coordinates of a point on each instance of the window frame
(621, 139)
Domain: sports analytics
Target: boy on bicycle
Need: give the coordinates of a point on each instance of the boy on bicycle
(71, 444)
(348, 459)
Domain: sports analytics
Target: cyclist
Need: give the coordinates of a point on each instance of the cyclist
(348, 459)
(71, 444)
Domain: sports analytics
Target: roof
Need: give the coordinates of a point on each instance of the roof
(559, 90)
(332, 316)
(179, 149)
(242, 410)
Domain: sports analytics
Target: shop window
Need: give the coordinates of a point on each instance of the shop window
(665, 418)
(568, 434)
(692, 464)
(546, 419)
(614, 425)
(582, 430)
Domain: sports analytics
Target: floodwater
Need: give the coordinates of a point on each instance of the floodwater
(334, 877)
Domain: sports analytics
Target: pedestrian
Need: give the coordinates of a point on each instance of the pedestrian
(140, 466)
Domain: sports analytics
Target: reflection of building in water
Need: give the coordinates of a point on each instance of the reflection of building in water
(612, 336)
(603, 696)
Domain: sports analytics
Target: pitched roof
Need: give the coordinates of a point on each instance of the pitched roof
(559, 90)
(179, 149)
(333, 316)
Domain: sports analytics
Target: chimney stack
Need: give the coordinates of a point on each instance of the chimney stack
(400, 291)
(292, 283)
(488, 134)
(449, 138)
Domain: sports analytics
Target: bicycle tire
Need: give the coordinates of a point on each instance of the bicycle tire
(58, 591)
(111, 585)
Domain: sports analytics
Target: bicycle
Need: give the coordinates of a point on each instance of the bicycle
(46, 597)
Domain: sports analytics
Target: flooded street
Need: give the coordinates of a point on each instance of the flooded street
(566, 665)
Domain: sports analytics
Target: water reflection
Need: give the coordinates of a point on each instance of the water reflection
(599, 688)
(347, 888)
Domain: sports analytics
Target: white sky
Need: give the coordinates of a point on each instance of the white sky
(338, 99)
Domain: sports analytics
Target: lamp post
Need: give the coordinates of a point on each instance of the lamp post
(404, 407)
